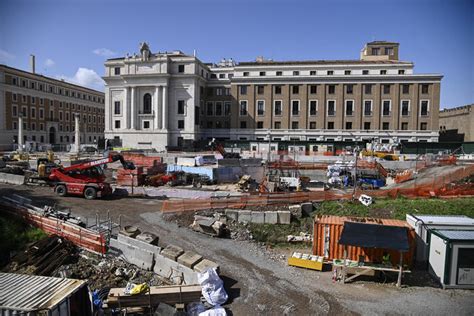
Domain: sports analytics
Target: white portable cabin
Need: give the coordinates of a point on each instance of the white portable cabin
(422, 223)
(451, 257)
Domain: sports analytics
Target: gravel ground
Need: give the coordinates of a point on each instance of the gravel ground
(258, 280)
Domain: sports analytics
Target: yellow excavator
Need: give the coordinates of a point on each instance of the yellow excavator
(380, 154)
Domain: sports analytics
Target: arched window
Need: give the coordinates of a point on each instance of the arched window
(147, 104)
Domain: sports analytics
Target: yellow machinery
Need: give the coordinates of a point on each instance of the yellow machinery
(307, 261)
(380, 154)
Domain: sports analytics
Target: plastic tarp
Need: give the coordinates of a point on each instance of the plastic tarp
(375, 236)
(212, 287)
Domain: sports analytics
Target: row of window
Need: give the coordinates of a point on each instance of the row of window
(25, 83)
(313, 89)
(216, 91)
(147, 124)
(147, 106)
(61, 138)
(217, 108)
(321, 72)
(329, 126)
(66, 128)
(331, 108)
(24, 99)
(24, 113)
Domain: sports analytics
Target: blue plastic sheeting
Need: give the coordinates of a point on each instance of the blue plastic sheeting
(206, 171)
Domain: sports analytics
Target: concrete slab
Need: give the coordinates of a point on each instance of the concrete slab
(232, 215)
(148, 238)
(189, 259)
(271, 217)
(130, 231)
(9, 178)
(205, 264)
(258, 217)
(284, 217)
(245, 216)
(172, 252)
(176, 272)
(138, 243)
(134, 255)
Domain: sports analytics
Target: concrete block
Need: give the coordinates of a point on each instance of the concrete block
(245, 216)
(134, 255)
(306, 208)
(130, 231)
(205, 264)
(176, 272)
(284, 217)
(232, 214)
(295, 210)
(271, 217)
(148, 238)
(138, 243)
(172, 252)
(9, 178)
(258, 217)
(189, 259)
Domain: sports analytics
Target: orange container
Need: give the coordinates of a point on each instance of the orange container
(328, 230)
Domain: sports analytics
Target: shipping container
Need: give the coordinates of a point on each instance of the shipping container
(328, 230)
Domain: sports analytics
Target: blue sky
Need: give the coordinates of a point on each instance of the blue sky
(72, 38)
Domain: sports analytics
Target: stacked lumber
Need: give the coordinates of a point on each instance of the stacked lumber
(131, 177)
(172, 294)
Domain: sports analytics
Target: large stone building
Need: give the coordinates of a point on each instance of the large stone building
(47, 107)
(163, 99)
(459, 120)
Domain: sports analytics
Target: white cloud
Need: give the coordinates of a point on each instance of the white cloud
(105, 52)
(85, 77)
(49, 62)
(5, 56)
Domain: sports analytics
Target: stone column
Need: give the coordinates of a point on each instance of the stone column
(132, 109)
(164, 106)
(20, 132)
(156, 108)
(126, 110)
(77, 134)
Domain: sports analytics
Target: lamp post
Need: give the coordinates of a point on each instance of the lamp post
(356, 151)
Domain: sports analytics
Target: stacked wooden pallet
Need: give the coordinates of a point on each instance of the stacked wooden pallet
(157, 294)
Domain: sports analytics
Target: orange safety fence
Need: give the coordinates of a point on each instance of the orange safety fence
(437, 186)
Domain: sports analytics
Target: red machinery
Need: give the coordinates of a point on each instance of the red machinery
(214, 145)
(85, 178)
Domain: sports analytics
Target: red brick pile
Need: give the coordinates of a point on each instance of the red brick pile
(131, 177)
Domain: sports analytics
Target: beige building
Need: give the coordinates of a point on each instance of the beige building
(461, 119)
(47, 107)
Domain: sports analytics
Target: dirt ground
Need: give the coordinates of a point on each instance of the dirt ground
(258, 280)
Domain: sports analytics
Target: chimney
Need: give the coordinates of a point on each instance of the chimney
(32, 63)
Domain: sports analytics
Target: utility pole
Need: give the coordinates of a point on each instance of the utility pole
(356, 151)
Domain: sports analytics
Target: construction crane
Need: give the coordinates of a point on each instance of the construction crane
(85, 179)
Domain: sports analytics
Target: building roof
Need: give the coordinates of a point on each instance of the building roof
(23, 292)
(462, 107)
(52, 79)
(339, 220)
(445, 219)
(382, 43)
(322, 62)
(464, 235)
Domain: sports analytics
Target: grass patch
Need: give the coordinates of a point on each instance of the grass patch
(277, 234)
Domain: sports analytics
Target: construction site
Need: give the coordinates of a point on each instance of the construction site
(342, 229)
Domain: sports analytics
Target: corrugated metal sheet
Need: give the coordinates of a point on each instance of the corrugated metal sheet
(328, 230)
(23, 292)
(446, 219)
(458, 234)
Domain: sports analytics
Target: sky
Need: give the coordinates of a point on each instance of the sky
(71, 39)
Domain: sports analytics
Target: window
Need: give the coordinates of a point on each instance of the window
(386, 107)
(23, 83)
(117, 107)
(386, 88)
(349, 89)
(243, 108)
(260, 89)
(347, 72)
(424, 108)
(295, 89)
(331, 89)
(349, 107)
(294, 125)
(210, 124)
(246, 73)
(60, 116)
(401, 71)
(147, 103)
(218, 108)
(117, 71)
(348, 125)
(181, 107)
(331, 107)
(14, 110)
(221, 76)
(312, 73)
(226, 91)
(243, 90)
(262, 73)
(388, 50)
(41, 101)
(209, 91)
(180, 124)
(146, 124)
(366, 125)
(227, 105)
(312, 125)
(385, 126)
(279, 73)
(259, 124)
(243, 124)
(213, 76)
(14, 97)
(424, 88)
(41, 114)
(23, 112)
(404, 126)
(277, 105)
(313, 107)
(277, 125)
(260, 107)
(218, 91)
(368, 89)
(277, 89)
(209, 109)
(405, 89)
(14, 81)
(296, 73)
(33, 100)
(365, 72)
(313, 89)
(181, 68)
(405, 107)
(330, 125)
(14, 127)
(295, 107)
(383, 72)
(330, 72)
(117, 124)
(375, 51)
